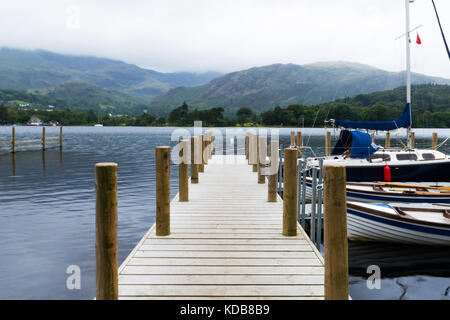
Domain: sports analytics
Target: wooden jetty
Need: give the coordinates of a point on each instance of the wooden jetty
(230, 237)
(225, 243)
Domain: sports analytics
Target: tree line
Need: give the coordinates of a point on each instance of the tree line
(431, 109)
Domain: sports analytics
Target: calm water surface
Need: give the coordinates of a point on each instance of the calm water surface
(47, 215)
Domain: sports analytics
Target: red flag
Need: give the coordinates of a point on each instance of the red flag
(418, 39)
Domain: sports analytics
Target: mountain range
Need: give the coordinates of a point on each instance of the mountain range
(38, 69)
(105, 85)
(264, 88)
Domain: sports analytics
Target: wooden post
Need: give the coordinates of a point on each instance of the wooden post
(262, 147)
(434, 142)
(211, 144)
(292, 139)
(413, 140)
(194, 166)
(106, 254)
(290, 192)
(388, 140)
(273, 176)
(299, 143)
(335, 233)
(254, 152)
(183, 172)
(60, 137)
(162, 191)
(201, 166)
(13, 142)
(372, 135)
(246, 147)
(43, 138)
(205, 154)
(328, 144)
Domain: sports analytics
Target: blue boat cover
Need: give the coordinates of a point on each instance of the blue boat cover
(362, 145)
(404, 121)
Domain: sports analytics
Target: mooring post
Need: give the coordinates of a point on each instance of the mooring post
(183, 172)
(60, 137)
(194, 165)
(434, 142)
(290, 192)
(335, 233)
(254, 152)
(13, 142)
(246, 147)
(262, 147)
(413, 140)
(106, 253)
(299, 143)
(201, 167)
(292, 139)
(205, 154)
(388, 140)
(162, 191)
(328, 144)
(372, 135)
(273, 172)
(43, 138)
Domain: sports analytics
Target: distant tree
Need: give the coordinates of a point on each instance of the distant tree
(245, 115)
(3, 114)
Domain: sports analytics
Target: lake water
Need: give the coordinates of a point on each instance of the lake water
(47, 215)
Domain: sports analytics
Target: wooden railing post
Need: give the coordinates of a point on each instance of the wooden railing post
(43, 138)
(290, 192)
(434, 142)
(194, 166)
(292, 139)
(273, 174)
(372, 135)
(413, 140)
(201, 167)
(246, 147)
(254, 152)
(183, 172)
(162, 191)
(328, 144)
(262, 152)
(388, 140)
(299, 143)
(106, 254)
(335, 233)
(13, 142)
(60, 137)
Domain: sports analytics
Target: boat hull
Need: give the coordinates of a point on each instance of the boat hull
(367, 225)
(434, 171)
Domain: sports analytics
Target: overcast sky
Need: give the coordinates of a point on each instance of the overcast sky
(230, 35)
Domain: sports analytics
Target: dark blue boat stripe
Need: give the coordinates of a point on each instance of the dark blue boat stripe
(399, 224)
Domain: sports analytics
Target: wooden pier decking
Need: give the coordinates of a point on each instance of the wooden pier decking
(225, 243)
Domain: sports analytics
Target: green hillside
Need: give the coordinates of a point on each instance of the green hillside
(38, 69)
(263, 88)
(79, 96)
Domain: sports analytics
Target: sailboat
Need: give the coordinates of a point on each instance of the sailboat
(365, 161)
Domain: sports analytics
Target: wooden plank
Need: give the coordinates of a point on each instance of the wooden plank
(221, 270)
(234, 247)
(169, 241)
(230, 279)
(221, 290)
(226, 254)
(221, 262)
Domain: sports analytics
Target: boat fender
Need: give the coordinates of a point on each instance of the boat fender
(387, 174)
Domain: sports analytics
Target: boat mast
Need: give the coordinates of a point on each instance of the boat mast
(408, 72)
